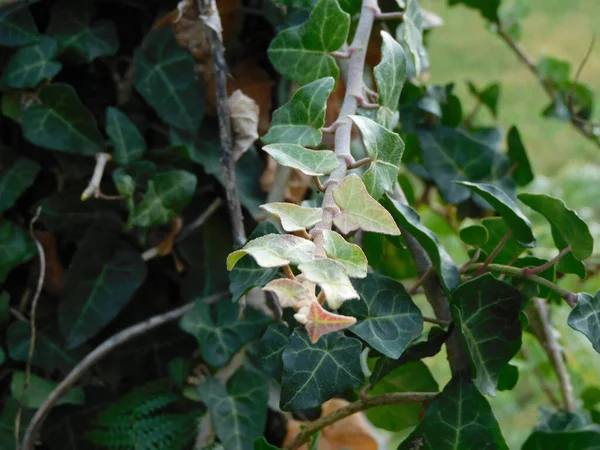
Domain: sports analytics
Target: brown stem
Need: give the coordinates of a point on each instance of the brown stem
(465, 266)
(494, 253)
(430, 271)
(288, 272)
(443, 323)
(360, 162)
(392, 398)
(318, 183)
(527, 271)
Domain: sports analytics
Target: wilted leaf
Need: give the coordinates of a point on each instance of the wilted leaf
(321, 322)
(351, 256)
(301, 53)
(62, 122)
(332, 278)
(16, 247)
(360, 210)
(272, 345)
(275, 250)
(39, 389)
(30, 65)
(17, 28)
(313, 373)
(294, 217)
(385, 148)
(244, 114)
(522, 174)
(388, 320)
(585, 317)
(220, 332)
(486, 311)
(390, 75)
(310, 162)
(15, 180)
(127, 141)
(290, 293)
(300, 120)
(458, 418)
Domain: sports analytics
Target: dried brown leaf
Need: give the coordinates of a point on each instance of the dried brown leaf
(244, 114)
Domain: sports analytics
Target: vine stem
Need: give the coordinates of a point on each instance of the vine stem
(96, 355)
(391, 398)
(430, 271)
(528, 271)
(93, 188)
(494, 253)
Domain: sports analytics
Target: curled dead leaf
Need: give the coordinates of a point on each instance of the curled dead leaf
(244, 114)
(55, 272)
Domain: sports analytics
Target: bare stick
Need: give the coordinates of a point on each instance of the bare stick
(93, 188)
(390, 16)
(96, 355)
(527, 271)
(391, 398)
(32, 325)
(494, 253)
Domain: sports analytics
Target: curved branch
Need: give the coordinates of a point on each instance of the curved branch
(391, 398)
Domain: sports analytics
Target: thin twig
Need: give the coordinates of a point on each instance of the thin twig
(443, 323)
(360, 162)
(474, 259)
(392, 398)
(96, 355)
(32, 324)
(389, 16)
(430, 271)
(93, 188)
(527, 271)
(542, 380)
(494, 253)
(200, 220)
(571, 98)
(288, 272)
(318, 183)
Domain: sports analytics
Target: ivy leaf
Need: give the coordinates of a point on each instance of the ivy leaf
(410, 35)
(238, 411)
(497, 229)
(508, 209)
(70, 25)
(487, 8)
(331, 277)
(262, 444)
(165, 75)
(28, 66)
(486, 311)
(247, 274)
(16, 180)
(408, 219)
(314, 373)
(102, 278)
(16, 247)
(300, 120)
(39, 389)
(349, 255)
(388, 320)
(290, 293)
(508, 378)
(568, 263)
(272, 345)
(474, 235)
(412, 377)
(301, 53)
(562, 430)
(220, 332)
(294, 217)
(61, 122)
(17, 28)
(275, 250)
(390, 75)
(385, 148)
(310, 162)
(360, 210)
(566, 222)
(488, 97)
(458, 418)
(523, 173)
(585, 317)
(128, 143)
(167, 195)
(320, 322)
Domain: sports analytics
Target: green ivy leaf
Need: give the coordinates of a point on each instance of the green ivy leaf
(301, 53)
(562, 430)
(262, 444)
(412, 377)
(102, 278)
(408, 219)
(390, 75)
(488, 97)
(39, 389)
(349, 255)
(566, 222)
(508, 378)
(474, 235)
(585, 317)
(247, 273)
(385, 148)
(523, 173)
(388, 320)
(300, 120)
(61, 122)
(238, 411)
(70, 25)
(568, 263)
(128, 143)
(294, 217)
(314, 373)
(167, 195)
(275, 250)
(458, 418)
(497, 229)
(165, 75)
(553, 69)
(310, 162)
(30, 65)
(410, 35)
(486, 311)
(16, 247)
(272, 345)
(332, 278)
(487, 8)
(16, 180)
(359, 210)
(17, 28)
(220, 332)
(508, 209)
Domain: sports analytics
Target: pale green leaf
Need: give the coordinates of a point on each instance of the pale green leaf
(127, 141)
(275, 250)
(332, 278)
(15, 180)
(124, 183)
(294, 217)
(359, 210)
(390, 75)
(16, 247)
(310, 162)
(410, 35)
(585, 317)
(28, 66)
(301, 53)
(39, 389)
(351, 256)
(62, 122)
(299, 121)
(385, 148)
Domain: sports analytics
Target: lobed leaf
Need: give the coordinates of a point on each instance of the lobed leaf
(332, 278)
(272, 345)
(28, 66)
(585, 318)
(275, 250)
(16, 180)
(127, 141)
(310, 162)
(294, 217)
(351, 256)
(321, 322)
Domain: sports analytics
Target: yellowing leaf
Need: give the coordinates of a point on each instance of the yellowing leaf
(310, 162)
(294, 217)
(331, 277)
(290, 293)
(275, 250)
(244, 114)
(349, 255)
(321, 322)
(360, 210)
